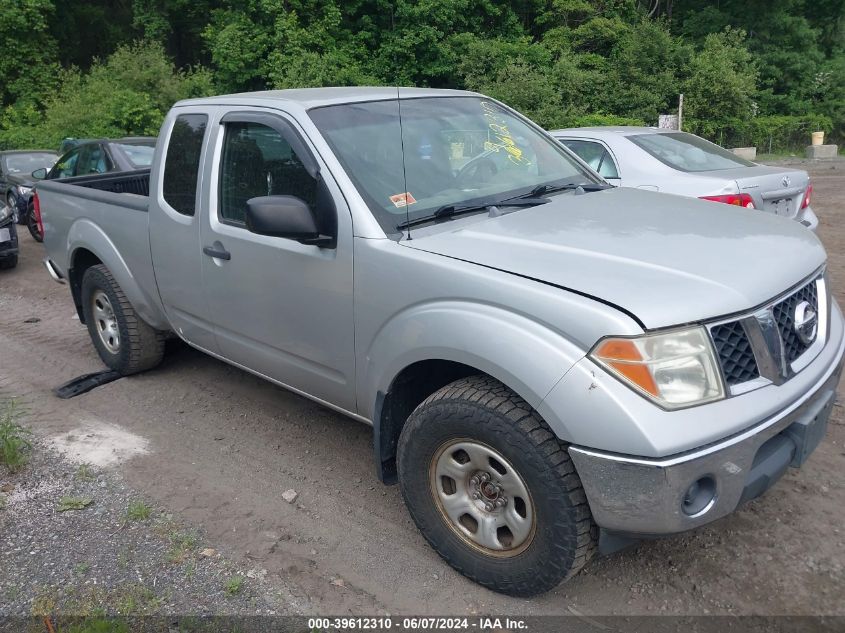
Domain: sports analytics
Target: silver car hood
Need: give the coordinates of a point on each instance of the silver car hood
(666, 259)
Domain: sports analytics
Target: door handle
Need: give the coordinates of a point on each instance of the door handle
(221, 253)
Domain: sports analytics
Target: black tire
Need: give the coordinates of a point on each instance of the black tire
(8, 262)
(12, 201)
(140, 346)
(486, 411)
(32, 224)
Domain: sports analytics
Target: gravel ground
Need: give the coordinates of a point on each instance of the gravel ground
(116, 556)
(221, 447)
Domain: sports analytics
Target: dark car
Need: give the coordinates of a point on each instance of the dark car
(8, 238)
(103, 156)
(90, 157)
(16, 169)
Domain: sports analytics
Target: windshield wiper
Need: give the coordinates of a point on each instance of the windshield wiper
(540, 190)
(448, 211)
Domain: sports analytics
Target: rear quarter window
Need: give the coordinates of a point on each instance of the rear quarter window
(181, 166)
(687, 152)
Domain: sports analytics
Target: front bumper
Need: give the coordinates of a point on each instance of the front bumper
(8, 247)
(641, 496)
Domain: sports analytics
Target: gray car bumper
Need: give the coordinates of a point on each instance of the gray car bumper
(646, 497)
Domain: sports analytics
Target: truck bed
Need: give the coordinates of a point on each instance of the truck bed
(137, 182)
(107, 216)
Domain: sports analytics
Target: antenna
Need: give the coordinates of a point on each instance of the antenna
(404, 173)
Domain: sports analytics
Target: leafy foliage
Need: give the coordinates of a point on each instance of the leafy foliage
(104, 68)
(128, 94)
(14, 439)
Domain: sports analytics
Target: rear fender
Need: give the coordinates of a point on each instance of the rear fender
(84, 235)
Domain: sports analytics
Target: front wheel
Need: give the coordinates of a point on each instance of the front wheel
(125, 343)
(493, 490)
(12, 202)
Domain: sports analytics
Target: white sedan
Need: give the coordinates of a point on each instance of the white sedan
(687, 165)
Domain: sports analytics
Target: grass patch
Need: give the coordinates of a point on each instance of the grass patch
(44, 603)
(183, 544)
(73, 503)
(82, 568)
(84, 473)
(138, 511)
(102, 625)
(136, 599)
(14, 439)
(190, 570)
(234, 585)
(2, 502)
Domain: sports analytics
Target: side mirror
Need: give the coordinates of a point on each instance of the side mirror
(40, 174)
(285, 216)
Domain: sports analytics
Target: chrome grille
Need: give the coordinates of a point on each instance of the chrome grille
(784, 313)
(735, 353)
(763, 347)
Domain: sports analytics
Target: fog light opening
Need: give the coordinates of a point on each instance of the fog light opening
(699, 497)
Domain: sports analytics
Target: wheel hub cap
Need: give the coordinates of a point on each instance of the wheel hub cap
(482, 498)
(105, 321)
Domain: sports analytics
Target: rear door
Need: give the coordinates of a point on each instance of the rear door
(176, 197)
(280, 308)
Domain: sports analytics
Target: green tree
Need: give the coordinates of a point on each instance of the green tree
(128, 94)
(721, 85)
(28, 64)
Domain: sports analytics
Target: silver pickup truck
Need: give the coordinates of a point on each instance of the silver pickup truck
(551, 366)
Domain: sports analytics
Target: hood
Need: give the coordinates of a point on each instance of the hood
(666, 259)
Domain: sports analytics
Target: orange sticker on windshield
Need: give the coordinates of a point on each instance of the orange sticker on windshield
(402, 199)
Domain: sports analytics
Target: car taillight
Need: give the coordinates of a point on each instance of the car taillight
(36, 209)
(736, 199)
(807, 195)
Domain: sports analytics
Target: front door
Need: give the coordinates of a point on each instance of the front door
(281, 308)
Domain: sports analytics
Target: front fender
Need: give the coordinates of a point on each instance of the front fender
(85, 234)
(527, 356)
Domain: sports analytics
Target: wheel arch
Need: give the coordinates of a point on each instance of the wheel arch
(89, 246)
(427, 346)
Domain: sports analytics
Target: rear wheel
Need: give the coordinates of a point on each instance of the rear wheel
(124, 342)
(493, 490)
(32, 224)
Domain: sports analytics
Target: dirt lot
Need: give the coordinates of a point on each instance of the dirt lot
(222, 446)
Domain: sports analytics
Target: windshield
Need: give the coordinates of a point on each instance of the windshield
(688, 152)
(28, 163)
(457, 151)
(139, 155)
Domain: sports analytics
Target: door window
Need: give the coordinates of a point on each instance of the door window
(258, 161)
(66, 167)
(92, 160)
(181, 167)
(595, 155)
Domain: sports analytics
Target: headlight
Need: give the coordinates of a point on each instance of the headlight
(676, 369)
(5, 212)
(24, 190)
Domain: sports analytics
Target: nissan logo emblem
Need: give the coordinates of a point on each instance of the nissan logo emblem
(806, 322)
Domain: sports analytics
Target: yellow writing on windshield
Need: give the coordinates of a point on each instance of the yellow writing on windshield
(502, 139)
